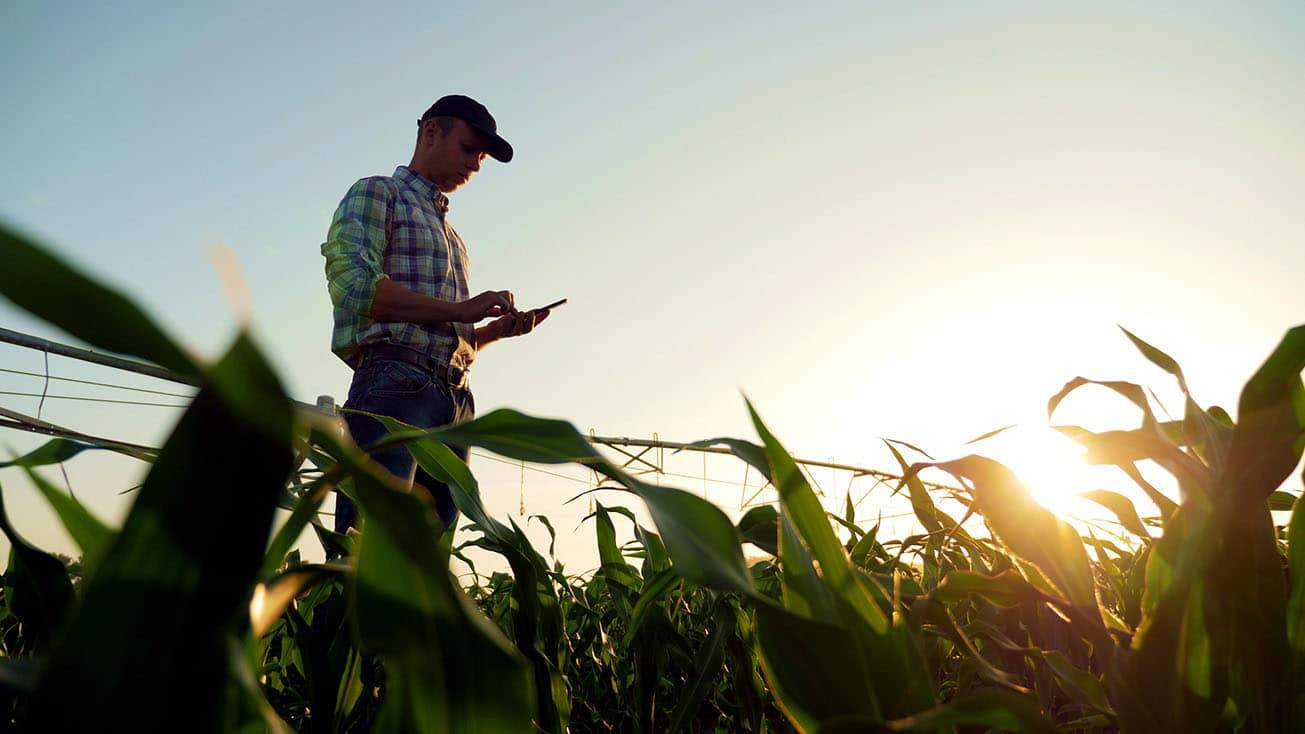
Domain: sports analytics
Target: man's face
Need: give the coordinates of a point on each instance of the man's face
(453, 157)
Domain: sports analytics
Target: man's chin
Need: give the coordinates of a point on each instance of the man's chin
(452, 185)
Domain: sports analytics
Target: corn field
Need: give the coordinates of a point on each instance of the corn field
(196, 615)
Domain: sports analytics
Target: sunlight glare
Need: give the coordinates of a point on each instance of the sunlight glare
(1051, 467)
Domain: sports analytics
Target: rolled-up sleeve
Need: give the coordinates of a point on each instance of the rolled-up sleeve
(355, 246)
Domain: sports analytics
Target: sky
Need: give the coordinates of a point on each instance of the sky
(873, 220)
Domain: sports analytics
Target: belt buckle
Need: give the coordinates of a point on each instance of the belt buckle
(457, 376)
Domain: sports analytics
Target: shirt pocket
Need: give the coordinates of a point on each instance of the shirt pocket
(415, 256)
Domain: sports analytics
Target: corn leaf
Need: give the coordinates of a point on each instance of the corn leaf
(1123, 509)
(90, 534)
(37, 589)
(176, 580)
(450, 669)
(991, 707)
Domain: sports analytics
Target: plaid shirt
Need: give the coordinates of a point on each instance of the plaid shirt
(396, 227)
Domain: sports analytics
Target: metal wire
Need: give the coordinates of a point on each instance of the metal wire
(492, 457)
(93, 382)
(88, 399)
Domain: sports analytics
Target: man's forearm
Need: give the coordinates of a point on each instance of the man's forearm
(395, 303)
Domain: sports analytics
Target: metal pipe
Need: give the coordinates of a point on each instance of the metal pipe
(325, 403)
(614, 442)
(14, 419)
(86, 355)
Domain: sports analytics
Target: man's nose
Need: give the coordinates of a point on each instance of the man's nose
(475, 164)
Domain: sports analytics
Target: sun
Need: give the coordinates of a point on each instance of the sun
(1051, 466)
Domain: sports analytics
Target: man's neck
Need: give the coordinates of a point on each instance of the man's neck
(425, 173)
(416, 167)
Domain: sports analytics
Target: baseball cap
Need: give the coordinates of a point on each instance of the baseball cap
(474, 114)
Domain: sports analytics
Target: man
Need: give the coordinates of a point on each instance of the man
(397, 273)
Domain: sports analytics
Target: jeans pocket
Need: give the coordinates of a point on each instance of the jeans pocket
(397, 379)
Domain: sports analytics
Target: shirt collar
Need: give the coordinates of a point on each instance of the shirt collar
(424, 187)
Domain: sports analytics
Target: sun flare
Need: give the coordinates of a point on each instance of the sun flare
(1051, 467)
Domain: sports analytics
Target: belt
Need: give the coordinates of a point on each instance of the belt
(451, 376)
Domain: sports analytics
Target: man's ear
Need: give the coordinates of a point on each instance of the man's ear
(426, 134)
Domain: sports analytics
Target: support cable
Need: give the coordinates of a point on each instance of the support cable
(45, 397)
(48, 376)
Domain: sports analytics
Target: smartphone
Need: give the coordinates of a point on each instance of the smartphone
(552, 305)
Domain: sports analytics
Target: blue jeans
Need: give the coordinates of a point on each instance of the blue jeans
(415, 396)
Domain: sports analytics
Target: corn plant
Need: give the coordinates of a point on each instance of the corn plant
(197, 615)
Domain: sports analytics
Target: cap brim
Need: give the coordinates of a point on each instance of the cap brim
(497, 147)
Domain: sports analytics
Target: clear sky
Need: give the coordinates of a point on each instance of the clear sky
(875, 220)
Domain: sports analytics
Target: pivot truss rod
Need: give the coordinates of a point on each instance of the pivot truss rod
(629, 447)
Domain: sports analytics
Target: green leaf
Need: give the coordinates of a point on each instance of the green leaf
(760, 527)
(652, 591)
(1129, 390)
(804, 592)
(997, 708)
(1123, 448)
(706, 667)
(59, 450)
(614, 567)
(1167, 679)
(867, 548)
(921, 503)
(1270, 432)
(746, 684)
(1206, 432)
(270, 600)
(552, 534)
(305, 509)
(37, 589)
(803, 509)
(701, 540)
(90, 535)
(522, 437)
(1282, 501)
(898, 676)
(335, 544)
(1006, 589)
(537, 624)
(1078, 683)
(449, 669)
(1029, 530)
(655, 558)
(751, 453)
(1122, 507)
(814, 669)
(1158, 358)
(248, 710)
(930, 610)
(328, 664)
(176, 581)
(1296, 602)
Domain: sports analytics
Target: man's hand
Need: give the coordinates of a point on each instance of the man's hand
(486, 305)
(520, 322)
(512, 324)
